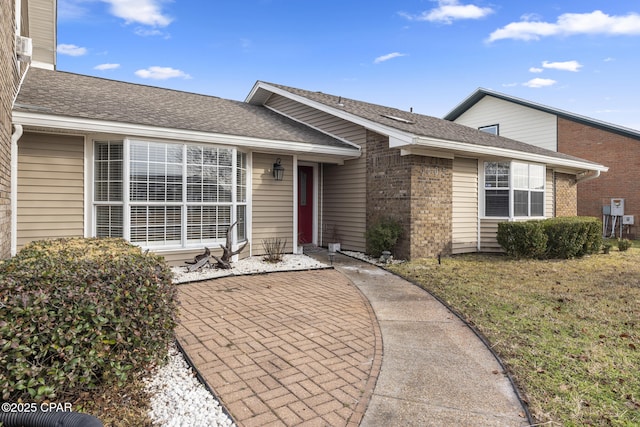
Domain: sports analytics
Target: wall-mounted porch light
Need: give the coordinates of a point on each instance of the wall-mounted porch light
(278, 170)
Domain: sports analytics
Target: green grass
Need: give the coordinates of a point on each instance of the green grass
(568, 331)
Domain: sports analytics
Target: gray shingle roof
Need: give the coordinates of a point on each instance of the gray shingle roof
(421, 125)
(85, 97)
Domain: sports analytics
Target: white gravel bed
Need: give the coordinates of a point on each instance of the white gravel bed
(179, 399)
(250, 265)
(370, 260)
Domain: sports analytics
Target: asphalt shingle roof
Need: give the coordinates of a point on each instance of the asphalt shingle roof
(73, 95)
(422, 125)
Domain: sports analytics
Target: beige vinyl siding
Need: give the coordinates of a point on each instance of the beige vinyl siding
(465, 205)
(272, 202)
(517, 122)
(42, 27)
(549, 197)
(50, 187)
(320, 120)
(344, 187)
(345, 204)
(488, 233)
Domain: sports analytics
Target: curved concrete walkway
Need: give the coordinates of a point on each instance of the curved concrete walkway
(435, 370)
(306, 348)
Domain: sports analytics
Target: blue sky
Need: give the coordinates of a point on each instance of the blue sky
(581, 55)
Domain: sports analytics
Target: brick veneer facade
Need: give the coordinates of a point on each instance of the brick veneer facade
(620, 153)
(566, 194)
(414, 190)
(9, 79)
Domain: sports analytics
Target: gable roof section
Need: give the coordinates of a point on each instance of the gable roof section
(480, 93)
(408, 130)
(63, 100)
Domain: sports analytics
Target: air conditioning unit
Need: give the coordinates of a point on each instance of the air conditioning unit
(24, 48)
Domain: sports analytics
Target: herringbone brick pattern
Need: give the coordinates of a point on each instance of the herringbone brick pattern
(294, 348)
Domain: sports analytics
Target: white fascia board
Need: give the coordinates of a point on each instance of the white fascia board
(143, 131)
(506, 153)
(376, 127)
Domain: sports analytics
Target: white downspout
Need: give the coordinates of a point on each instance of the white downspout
(15, 136)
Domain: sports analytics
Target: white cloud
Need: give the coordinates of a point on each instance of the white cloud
(535, 70)
(538, 82)
(161, 73)
(569, 24)
(564, 66)
(449, 11)
(609, 59)
(148, 32)
(146, 12)
(70, 10)
(106, 67)
(387, 57)
(71, 50)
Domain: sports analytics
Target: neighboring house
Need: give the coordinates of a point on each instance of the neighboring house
(171, 171)
(615, 146)
(23, 24)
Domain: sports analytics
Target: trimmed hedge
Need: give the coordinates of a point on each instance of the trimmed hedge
(573, 237)
(523, 239)
(76, 314)
(565, 237)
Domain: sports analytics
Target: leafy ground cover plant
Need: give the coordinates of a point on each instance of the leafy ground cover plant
(568, 331)
(78, 315)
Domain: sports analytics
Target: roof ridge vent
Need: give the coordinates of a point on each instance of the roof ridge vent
(398, 119)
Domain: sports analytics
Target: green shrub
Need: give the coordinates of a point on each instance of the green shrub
(566, 237)
(523, 239)
(80, 313)
(383, 236)
(571, 237)
(624, 244)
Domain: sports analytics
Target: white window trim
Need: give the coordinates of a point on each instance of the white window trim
(511, 216)
(91, 204)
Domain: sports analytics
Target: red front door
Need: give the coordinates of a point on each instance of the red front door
(305, 204)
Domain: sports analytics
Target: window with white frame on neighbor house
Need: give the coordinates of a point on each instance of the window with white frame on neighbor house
(492, 129)
(168, 195)
(514, 189)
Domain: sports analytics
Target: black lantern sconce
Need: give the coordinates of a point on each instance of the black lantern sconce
(278, 170)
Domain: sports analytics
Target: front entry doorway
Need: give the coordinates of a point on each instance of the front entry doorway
(305, 204)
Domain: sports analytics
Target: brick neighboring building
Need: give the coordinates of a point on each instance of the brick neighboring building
(614, 146)
(11, 71)
(617, 149)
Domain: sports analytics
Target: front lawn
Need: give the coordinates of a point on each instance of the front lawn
(568, 331)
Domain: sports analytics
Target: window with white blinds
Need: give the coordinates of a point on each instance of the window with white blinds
(514, 189)
(170, 195)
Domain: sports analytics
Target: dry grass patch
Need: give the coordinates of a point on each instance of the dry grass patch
(568, 331)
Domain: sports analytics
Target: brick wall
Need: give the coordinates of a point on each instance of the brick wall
(414, 190)
(566, 193)
(8, 84)
(388, 188)
(620, 153)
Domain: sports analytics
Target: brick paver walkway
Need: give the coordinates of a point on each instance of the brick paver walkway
(294, 348)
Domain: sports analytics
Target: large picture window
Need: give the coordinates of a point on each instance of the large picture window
(169, 195)
(514, 189)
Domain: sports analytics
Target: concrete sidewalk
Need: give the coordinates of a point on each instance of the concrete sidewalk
(435, 370)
